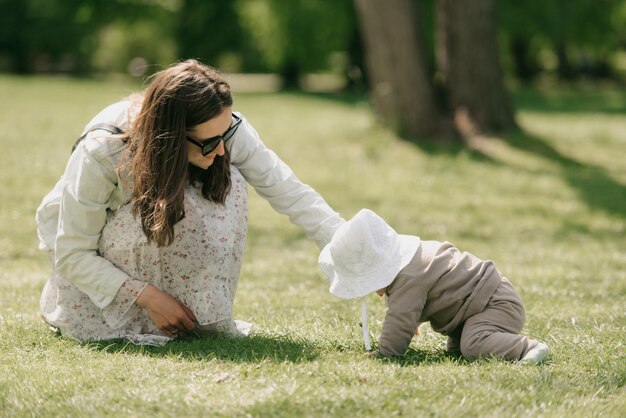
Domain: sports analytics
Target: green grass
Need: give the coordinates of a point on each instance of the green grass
(548, 205)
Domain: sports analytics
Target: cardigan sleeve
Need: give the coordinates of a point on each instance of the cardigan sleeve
(87, 185)
(123, 307)
(405, 302)
(47, 214)
(274, 181)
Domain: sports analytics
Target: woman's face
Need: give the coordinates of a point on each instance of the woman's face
(209, 129)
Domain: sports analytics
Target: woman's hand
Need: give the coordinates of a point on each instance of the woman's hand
(168, 313)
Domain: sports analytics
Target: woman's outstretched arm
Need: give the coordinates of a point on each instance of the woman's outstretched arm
(276, 182)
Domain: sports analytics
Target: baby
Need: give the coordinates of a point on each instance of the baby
(462, 296)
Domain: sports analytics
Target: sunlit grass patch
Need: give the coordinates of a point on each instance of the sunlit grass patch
(547, 204)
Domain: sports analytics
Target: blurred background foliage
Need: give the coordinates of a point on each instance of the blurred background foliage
(560, 39)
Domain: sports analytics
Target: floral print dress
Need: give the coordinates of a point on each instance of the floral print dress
(200, 268)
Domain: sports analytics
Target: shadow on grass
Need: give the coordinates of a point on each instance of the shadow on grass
(594, 186)
(608, 101)
(417, 357)
(454, 148)
(252, 349)
(597, 189)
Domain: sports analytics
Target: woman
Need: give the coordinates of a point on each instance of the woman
(145, 230)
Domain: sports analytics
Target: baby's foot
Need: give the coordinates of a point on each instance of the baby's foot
(536, 355)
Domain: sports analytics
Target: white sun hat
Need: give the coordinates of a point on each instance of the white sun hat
(365, 255)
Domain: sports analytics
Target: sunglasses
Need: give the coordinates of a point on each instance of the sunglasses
(208, 145)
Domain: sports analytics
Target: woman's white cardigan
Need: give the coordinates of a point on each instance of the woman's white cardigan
(71, 217)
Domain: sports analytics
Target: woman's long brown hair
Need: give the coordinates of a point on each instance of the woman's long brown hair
(179, 98)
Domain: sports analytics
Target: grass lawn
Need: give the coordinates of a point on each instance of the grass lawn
(548, 206)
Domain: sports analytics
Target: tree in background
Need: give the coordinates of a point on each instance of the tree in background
(209, 29)
(570, 38)
(292, 38)
(63, 36)
(139, 41)
(395, 58)
(468, 64)
(44, 35)
(471, 87)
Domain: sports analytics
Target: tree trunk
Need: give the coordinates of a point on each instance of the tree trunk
(469, 64)
(397, 71)
(565, 69)
(524, 65)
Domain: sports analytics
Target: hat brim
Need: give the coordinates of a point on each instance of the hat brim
(371, 281)
(408, 247)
